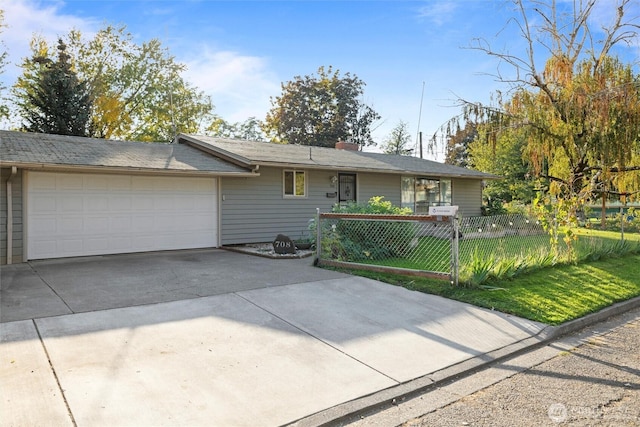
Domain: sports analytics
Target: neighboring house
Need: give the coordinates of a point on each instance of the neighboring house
(67, 196)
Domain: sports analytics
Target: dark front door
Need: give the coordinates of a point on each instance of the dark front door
(347, 187)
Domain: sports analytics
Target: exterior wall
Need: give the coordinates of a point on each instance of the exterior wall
(254, 210)
(387, 185)
(16, 190)
(467, 194)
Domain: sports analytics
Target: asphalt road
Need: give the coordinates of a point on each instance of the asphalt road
(590, 378)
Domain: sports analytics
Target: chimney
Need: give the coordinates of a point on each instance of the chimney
(349, 146)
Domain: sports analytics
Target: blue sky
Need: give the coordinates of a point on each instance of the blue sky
(239, 52)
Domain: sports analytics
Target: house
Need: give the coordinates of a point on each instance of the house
(64, 196)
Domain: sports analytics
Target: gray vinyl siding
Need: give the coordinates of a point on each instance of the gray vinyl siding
(371, 185)
(467, 195)
(17, 216)
(254, 210)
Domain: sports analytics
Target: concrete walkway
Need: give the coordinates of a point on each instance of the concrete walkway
(218, 338)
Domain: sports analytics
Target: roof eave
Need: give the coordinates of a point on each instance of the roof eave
(54, 167)
(371, 170)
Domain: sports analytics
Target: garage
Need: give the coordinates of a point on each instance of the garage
(79, 214)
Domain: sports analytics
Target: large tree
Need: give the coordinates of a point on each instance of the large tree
(55, 100)
(580, 112)
(320, 110)
(457, 148)
(138, 90)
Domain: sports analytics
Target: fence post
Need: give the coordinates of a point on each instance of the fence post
(455, 251)
(318, 236)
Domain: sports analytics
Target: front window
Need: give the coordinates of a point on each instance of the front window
(420, 193)
(295, 184)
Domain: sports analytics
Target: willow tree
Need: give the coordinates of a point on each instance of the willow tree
(580, 112)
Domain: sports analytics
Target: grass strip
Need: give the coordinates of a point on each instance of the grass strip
(551, 295)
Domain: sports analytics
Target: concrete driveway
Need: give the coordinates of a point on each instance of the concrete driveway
(221, 338)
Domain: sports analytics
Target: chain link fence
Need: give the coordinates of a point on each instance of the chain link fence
(501, 236)
(411, 244)
(426, 245)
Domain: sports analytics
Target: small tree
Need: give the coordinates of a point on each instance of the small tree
(398, 141)
(55, 101)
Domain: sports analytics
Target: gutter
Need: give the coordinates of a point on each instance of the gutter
(129, 170)
(14, 172)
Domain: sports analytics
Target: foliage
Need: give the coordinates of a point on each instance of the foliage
(137, 90)
(578, 115)
(629, 221)
(504, 158)
(320, 110)
(53, 99)
(558, 217)
(349, 240)
(375, 206)
(397, 142)
(250, 129)
(457, 148)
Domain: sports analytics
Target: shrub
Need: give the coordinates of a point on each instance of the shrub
(370, 239)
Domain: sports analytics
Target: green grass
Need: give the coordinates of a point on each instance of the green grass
(551, 295)
(433, 254)
(604, 272)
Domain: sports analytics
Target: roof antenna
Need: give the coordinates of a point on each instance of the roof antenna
(419, 137)
(173, 119)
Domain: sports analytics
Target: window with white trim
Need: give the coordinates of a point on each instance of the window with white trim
(419, 193)
(295, 183)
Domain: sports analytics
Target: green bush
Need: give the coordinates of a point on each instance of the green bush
(358, 240)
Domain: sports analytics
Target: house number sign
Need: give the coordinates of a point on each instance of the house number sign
(284, 245)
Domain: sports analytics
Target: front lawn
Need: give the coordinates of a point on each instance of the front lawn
(551, 295)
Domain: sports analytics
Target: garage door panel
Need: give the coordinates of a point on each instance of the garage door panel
(72, 203)
(42, 181)
(68, 182)
(70, 226)
(82, 214)
(96, 204)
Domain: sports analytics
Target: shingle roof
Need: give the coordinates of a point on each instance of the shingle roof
(30, 149)
(260, 153)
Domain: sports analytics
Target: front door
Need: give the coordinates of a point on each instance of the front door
(347, 187)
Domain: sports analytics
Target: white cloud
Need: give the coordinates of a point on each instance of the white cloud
(24, 18)
(438, 12)
(239, 85)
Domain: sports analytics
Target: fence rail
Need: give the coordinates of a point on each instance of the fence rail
(433, 246)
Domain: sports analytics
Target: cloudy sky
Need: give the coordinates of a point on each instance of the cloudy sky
(239, 52)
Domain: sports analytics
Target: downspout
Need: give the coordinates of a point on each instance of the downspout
(14, 171)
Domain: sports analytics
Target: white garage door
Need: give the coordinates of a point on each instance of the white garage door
(88, 214)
